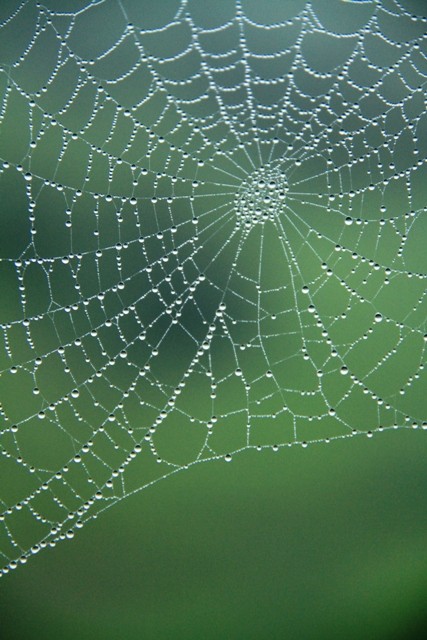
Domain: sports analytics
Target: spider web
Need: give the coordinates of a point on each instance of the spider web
(212, 238)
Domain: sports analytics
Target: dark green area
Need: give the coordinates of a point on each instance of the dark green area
(323, 542)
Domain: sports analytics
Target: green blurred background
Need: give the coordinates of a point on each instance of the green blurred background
(322, 542)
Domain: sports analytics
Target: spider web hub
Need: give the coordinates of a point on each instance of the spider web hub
(261, 196)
